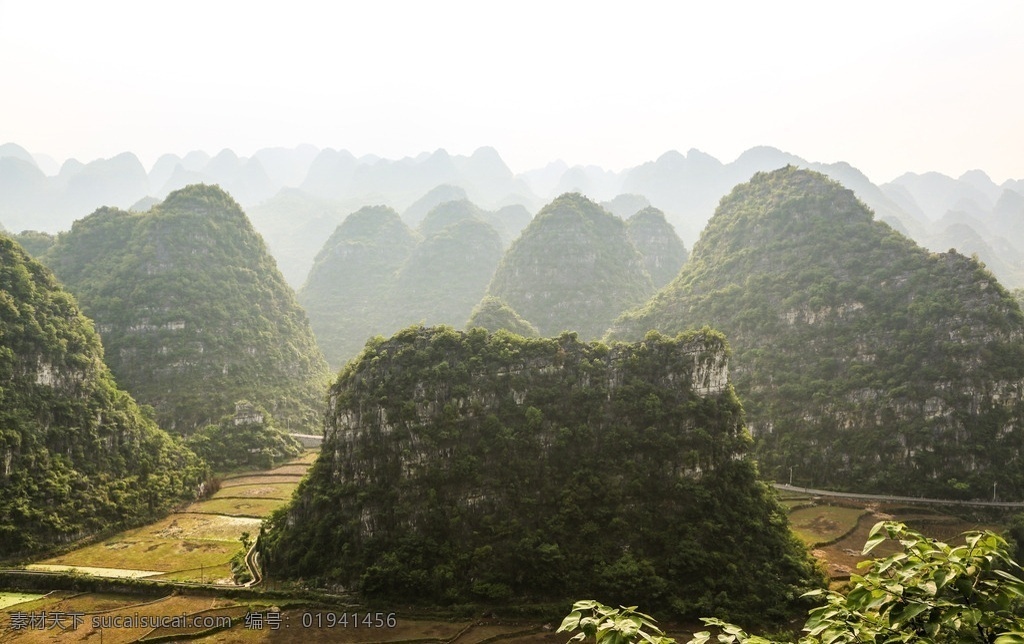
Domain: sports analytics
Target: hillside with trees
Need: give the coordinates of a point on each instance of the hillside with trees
(375, 275)
(247, 438)
(493, 314)
(476, 467)
(659, 245)
(863, 360)
(352, 275)
(77, 454)
(193, 311)
(574, 268)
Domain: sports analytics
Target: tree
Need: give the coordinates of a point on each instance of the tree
(928, 592)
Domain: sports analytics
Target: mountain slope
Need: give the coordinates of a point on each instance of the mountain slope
(375, 276)
(348, 291)
(864, 361)
(193, 311)
(573, 268)
(659, 245)
(447, 273)
(493, 314)
(76, 453)
(476, 467)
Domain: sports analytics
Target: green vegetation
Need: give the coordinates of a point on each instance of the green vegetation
(246, 438)
(863, 360)
(475, 467)
(350, 278)
(447, 273)
(375, 276)
(822, 524)
(926, 592)
(193, 311)
(493, 314)
(658, 243)
(607, 625)
(8, 599)
(77, 455)
(573, 268)
(34, 242)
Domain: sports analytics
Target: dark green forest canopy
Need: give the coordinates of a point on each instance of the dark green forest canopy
(247, 438)
(864, 361)
(193, 311)
(489, 467)
(76, 453)
(573, 268)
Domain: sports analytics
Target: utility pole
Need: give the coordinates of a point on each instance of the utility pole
(791, 475)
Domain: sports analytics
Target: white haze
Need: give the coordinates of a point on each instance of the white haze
(887, 87)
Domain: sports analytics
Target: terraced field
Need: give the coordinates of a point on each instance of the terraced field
(836, 534)
(116, 619)
(194, 545)
(820, 524)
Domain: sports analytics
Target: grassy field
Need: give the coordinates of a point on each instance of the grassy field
(823, 523)
(297, 469)
(123, 573)
(308, 457)
(158, 555)
(178, 542)
(281, 491)
(252, 508)
(11, 599)
(261, 479)
(220, 574)
(195, 545)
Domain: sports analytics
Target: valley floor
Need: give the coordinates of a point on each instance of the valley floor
(197, 544)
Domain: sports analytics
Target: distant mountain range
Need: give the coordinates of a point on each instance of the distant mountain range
(298, 196)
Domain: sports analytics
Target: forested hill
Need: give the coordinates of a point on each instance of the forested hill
(193, 311)
(573, 268)
(375, 276)
(347, 292)
(659, 245)
(863, 360)
(76, 453)
(475, 467)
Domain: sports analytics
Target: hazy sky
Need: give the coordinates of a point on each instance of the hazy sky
(887, 86)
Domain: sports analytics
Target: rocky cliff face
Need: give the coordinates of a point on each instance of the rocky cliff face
(76, 453)
(468, 466)
(573, 268)
(864, 361)
(193, 311)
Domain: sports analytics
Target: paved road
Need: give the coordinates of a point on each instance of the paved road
(897, 499)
